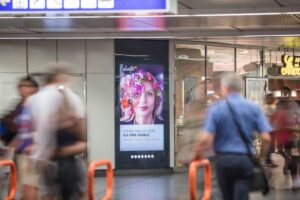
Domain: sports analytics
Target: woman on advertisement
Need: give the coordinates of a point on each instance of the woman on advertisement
(141, 99)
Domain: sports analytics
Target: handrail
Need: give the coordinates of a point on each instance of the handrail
(13, 178)
(109, 178)
(207, 178)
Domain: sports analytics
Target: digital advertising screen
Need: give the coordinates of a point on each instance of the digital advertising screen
(141, 102)
(142, 114)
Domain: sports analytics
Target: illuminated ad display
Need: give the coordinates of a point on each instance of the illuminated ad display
(86, 6)
(142, 113)
(141, 100)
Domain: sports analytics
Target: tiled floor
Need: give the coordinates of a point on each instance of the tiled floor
(169, 187)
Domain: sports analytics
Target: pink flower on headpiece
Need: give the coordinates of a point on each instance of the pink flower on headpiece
(149, 76)
(155, 86)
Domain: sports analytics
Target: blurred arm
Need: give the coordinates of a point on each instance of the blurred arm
(77, 148)
(264, 128)
(266, 143)
(203, 142)
(82, 130)
(265, 137)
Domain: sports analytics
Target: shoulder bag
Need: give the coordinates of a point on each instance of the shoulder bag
(260, 181)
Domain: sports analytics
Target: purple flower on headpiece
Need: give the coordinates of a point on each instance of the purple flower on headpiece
(132, 84)
(132, 87)
(137, 89)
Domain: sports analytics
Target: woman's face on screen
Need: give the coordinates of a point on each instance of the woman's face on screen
(144, 102)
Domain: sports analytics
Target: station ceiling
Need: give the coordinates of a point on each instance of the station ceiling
(272, 23)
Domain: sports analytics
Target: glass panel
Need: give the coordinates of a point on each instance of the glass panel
(276, 57)
(190, 76)
(190, 92)
(220, 59)
(248, 62)
(267, 61)
(256, 89)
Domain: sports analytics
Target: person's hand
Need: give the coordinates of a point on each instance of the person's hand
(29, 149)
(77, 148)
(196, 155)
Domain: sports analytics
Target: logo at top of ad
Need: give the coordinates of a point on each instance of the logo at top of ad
(128, 68)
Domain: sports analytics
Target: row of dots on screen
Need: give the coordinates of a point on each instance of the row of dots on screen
(141, 156)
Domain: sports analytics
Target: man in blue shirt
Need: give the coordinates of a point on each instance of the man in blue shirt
(233, 165)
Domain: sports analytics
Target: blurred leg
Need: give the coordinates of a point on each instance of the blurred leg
(216, 193)
(294, 167)
(48, 187)
(242, 189)
(235, 175)
(28, 178)
(224, 179)
(244, 173)
(29, 193)
(83, 197)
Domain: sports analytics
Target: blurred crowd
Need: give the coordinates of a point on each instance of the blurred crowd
(284, 116)
(45, 134)
(232, 128)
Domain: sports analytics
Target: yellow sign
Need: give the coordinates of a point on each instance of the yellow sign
(291, 65)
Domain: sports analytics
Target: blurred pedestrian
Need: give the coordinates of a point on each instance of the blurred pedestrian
(59, 118)
(286, 123)
(269, 105)
(294, 165)
(282, 122)
(23, 143)
(26, 87)
(269, 108)
(225, 123)
(14, 128)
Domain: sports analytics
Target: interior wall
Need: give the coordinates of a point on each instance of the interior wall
(92, 59)
(12, 68)
(100, 99)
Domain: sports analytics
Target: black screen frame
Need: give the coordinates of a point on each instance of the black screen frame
(161, 158)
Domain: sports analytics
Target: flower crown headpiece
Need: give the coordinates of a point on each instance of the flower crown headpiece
(132, 85)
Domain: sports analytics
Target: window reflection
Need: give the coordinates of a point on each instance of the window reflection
(190, 91)
(248, 62)
(190, 77)
(192, 82)
(220, 59)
